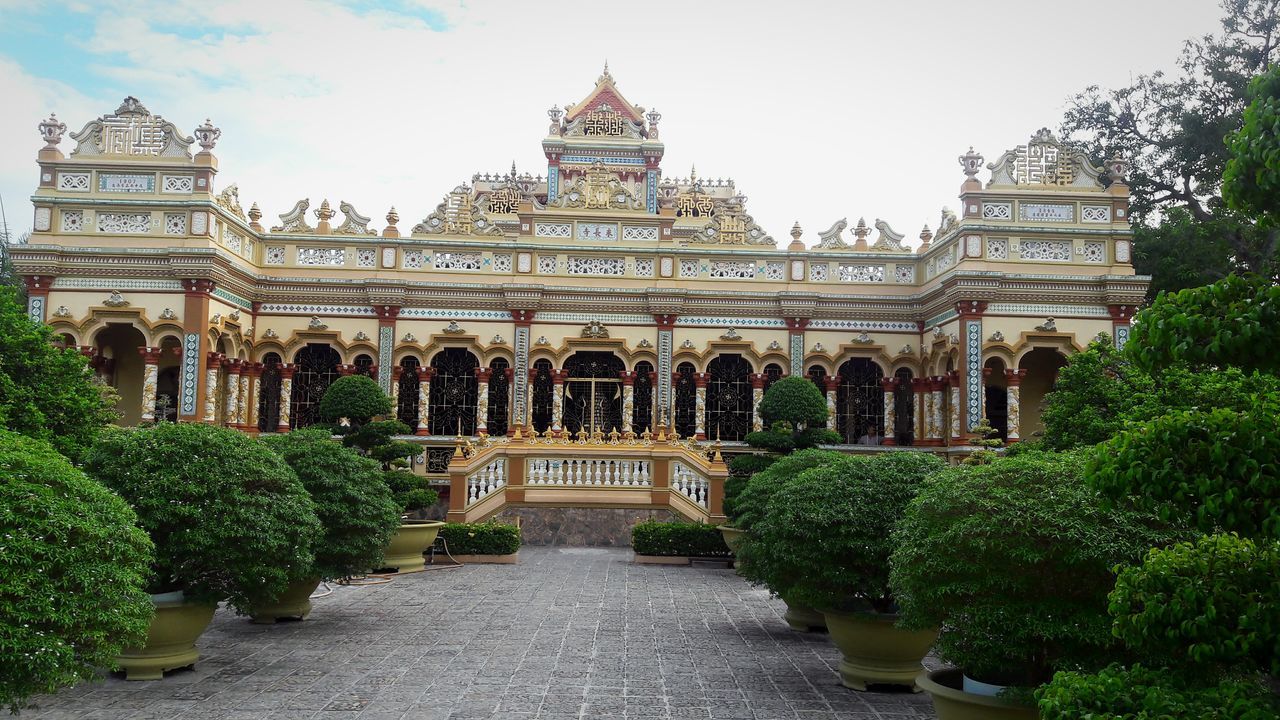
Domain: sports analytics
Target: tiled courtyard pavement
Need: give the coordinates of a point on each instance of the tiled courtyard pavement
(567, 633)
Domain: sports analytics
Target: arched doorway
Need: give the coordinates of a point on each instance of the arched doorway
(316, 369)
(593, 392)
(167, 381)
(407, 393)
(904, 408)
(772, 374)
(364, 365)
(996, 397)
(818, 376)
(120, 365)
(860, 402)
(451, 401)
(499, 397)
(686, 399)
(729, 396)
(541, 396)
(269, 394)
(643, 398)
(1042, 365)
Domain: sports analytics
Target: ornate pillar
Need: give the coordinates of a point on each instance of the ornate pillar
(971, 365)
(628, 399)
(957, 427)
(920, 388)
(1121, 317)
(666, 347)
(286, 395)
(242, 396)
(1013, 388)
(424, 399)
(231, 410)
(253, 374)
(482, 399)
(213, 363)
(888, 385)
(150, 380)
(387, 315)
(757, 395)
(396, 372)
(38, 299)
(700, 405)
(831, 384)
(557, 399)
(795, 347)
(192, 385)
(936, 389)
(521, 391)
(510, 373)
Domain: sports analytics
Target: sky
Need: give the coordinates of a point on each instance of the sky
(818, 110)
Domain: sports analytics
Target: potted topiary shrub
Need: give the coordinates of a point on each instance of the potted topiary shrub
(826, 537)
(352, 403)
(751, 505)
(73, 573)
(792, 410)
(229, 520)
(1013, 560)
(355, 508)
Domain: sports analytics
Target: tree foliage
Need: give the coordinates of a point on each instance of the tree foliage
(1171, 127)
(1013, 561)
(1251, 183)
(353, 503)
(825, 535)
(47, 392)
(73, 568)
(752, 503)
(356, 398)
(793, 410)
(1145, 693)
(228, 517)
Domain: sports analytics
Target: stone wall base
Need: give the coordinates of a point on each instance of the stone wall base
(580, 526)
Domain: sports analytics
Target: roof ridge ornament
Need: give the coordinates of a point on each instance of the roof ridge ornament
(51, 131)
(353, 223)
(889, 239)
(831, 239)
(295, 221)
(131, 130)
(1045, 161)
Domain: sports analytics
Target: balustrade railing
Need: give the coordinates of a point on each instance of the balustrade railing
(486, 480)
(579, 471)
(690, 483)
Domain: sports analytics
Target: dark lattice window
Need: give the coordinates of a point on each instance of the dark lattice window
(543, 392)
(772, 374)
(269, 394)
(818, 376)
(860, 402)
(643, 398)
(364, 365)
(407, 393)
(686, 420)
(499, 397)
(452, 400)
(904, 409)
(728, 398)
(593, 392)
(317, 365)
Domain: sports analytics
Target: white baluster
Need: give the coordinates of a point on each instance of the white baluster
(626, 472)
(578, 470)
(558, 471)
(473, 492)
(610, 472)
(644, 472)
(597, 466)
(502, 472)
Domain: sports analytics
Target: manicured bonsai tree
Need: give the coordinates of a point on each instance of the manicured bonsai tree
(73, 568)
(1013, 561)
(826, 533)
(360, 402)
(353, 503)
(753, 501)
(228, 517)
(47, 392)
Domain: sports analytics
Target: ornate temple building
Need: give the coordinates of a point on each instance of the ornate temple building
(603, 301)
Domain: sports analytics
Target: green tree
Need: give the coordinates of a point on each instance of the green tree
(47, 392)
(1251, 183)
(73, 568)
(1171, 127)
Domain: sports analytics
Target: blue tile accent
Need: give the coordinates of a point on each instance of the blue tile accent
(553, 183)
(1122, 336)
(35, 307)
(665, 342)
(386, 354)
(651, 191)
(520, 377)
(190, 372)
(973, 371)
(797, 354)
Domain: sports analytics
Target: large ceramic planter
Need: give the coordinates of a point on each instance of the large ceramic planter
(732, 537)
(804, 618)
(952, 703)
(411, 540)
(876, 652)
(294, 603)
(171, 640)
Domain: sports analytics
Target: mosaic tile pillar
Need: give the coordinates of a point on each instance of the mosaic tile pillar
(700, 405)
(424, 400)
(482, 399)
(1121, 319)
(970, 312)
(553, 181)
(888, 386)
(757, 395)
(957, 427)
(666, 348)
(242, 398)
(150, 381)
(651, 190)
(194, 391)
(189, 376)
(37, 296)
(254, 376)
(286, 396)
(628, 399)
(521, 391)
(1013, 393)
(795, 347)
(213, 364)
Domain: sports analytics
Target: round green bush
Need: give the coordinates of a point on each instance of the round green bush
(826, 534)
(1141, 693)
(1012, 560)
(1217, 468)
(751, 502)
(1212, 603)
(229, 519)
(357, 398)
(353, 503)
(73, 568)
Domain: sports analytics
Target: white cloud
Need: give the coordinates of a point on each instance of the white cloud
(819, 110)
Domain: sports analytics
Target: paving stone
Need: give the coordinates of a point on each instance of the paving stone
(566, 634)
